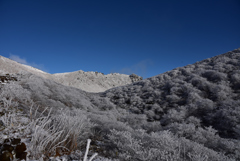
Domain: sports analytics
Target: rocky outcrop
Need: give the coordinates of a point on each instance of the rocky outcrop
(6, 78)
(135, 78)
(11, 146)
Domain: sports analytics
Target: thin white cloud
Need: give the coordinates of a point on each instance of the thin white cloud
(24, 61)
(18, 59)
(139, 68)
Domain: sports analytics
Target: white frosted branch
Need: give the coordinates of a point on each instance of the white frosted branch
(86, 153)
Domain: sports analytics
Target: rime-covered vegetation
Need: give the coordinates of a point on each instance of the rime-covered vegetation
(199, 102)
(190, 113)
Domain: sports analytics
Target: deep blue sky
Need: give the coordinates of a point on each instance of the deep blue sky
(146, 37)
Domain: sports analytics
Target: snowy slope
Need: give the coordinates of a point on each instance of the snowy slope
(12, 67)
(87, 81)
(92, 81)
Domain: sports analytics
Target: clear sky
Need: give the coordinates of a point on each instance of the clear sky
(145, 37)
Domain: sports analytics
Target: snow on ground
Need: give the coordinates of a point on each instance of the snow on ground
(92, 81)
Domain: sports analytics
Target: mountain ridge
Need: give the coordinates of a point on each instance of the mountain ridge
(87, 81)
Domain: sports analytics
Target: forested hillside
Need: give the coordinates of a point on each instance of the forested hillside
(200, 102)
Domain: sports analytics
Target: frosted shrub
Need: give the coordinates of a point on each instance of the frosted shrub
(222, 59)
(9, 119)
(58, 134)
(193, 97)
(135, 100)
(229, 112)
(173, 73)
(13, 90)
(135, 120)
(8, 102)
(172, 98)
(193, 120)
(214, 76)
(235, 80)
(220, 92)
(174, 116)
(38, 84)
(139, 145)
(219, 67)
(237, 131)
(198, 82)
(129, 146)
(233, 62)
(147, 88)
(204, 105)
(197, 134)
(194, 151)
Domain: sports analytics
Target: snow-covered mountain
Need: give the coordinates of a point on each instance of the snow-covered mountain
(8, 66)
(87, 81)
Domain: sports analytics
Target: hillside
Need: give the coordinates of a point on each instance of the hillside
(188, 99)
(8, 66)
(87, 81)
(187, 114)
(94, 81)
